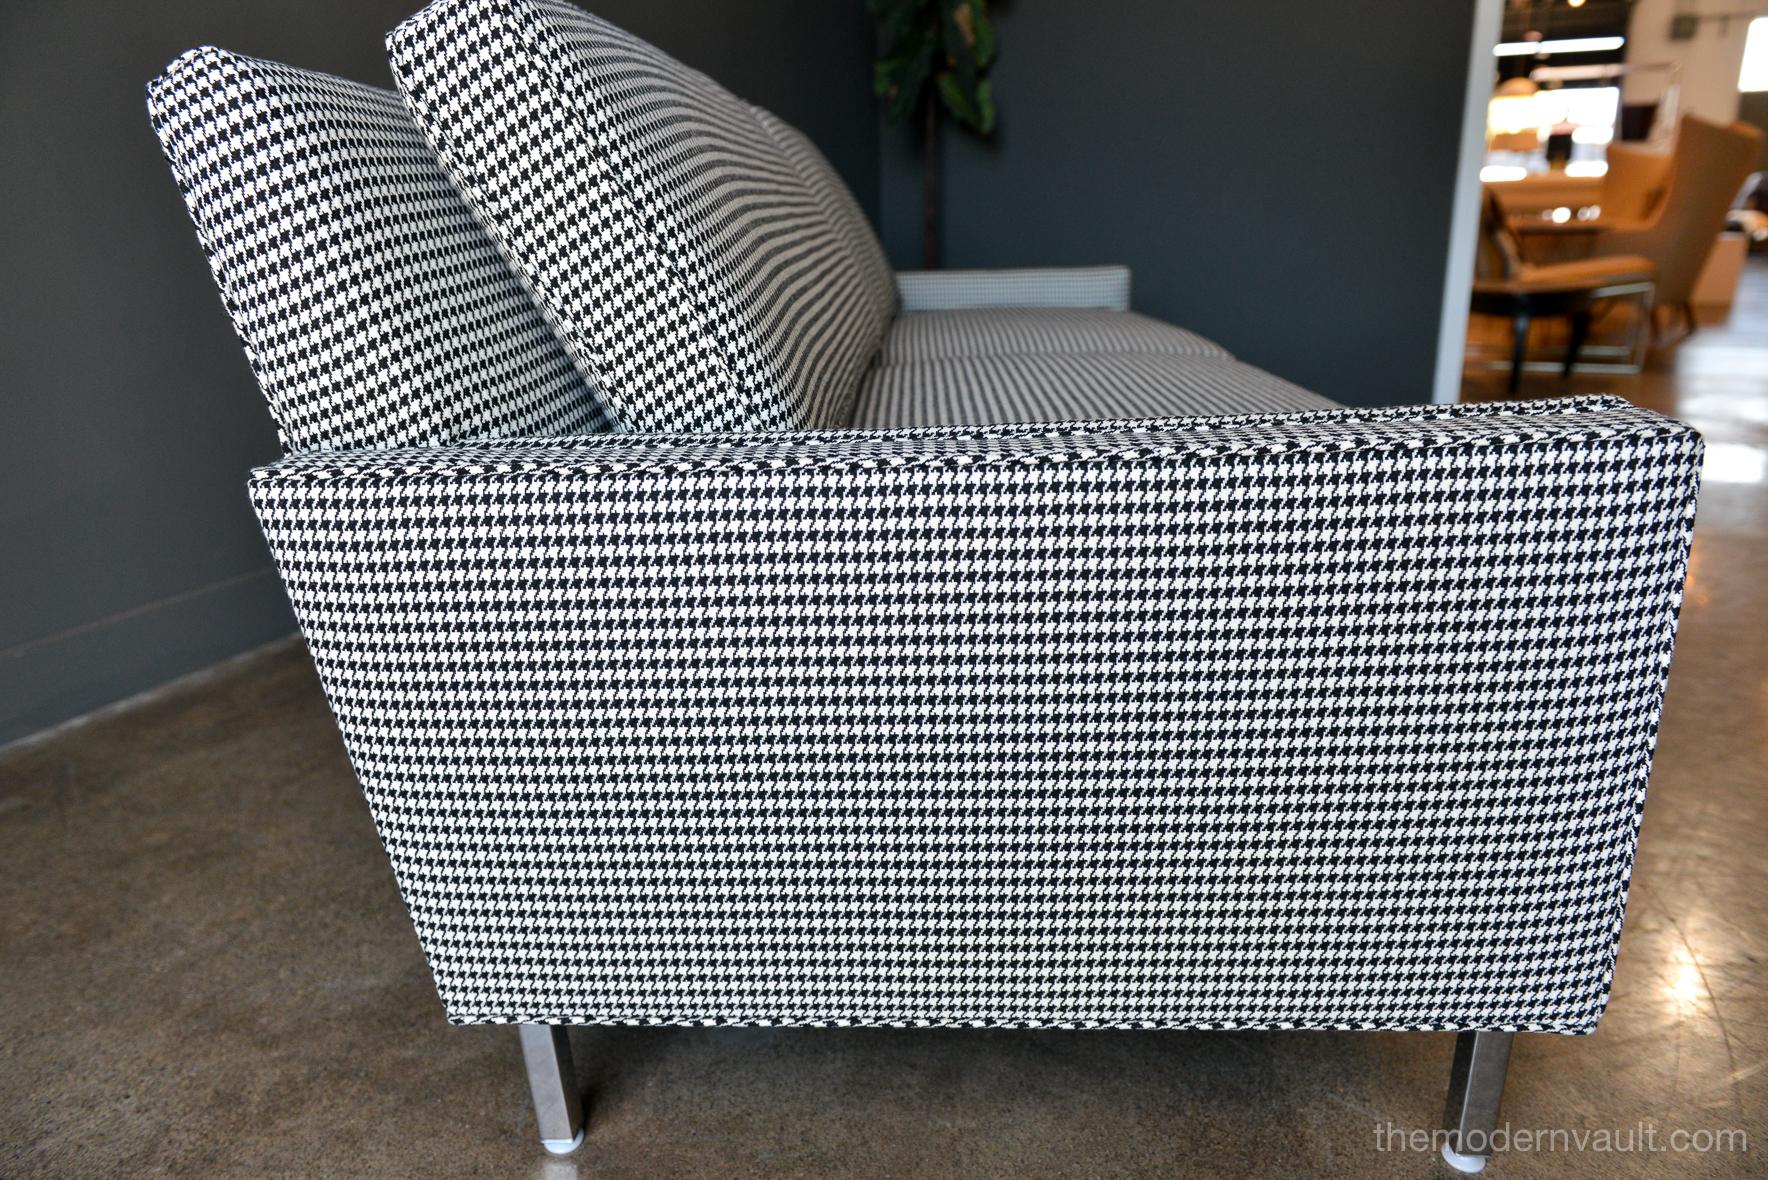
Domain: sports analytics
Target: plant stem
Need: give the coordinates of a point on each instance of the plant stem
(929, 187)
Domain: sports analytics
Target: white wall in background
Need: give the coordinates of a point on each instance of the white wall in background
(1488, 21)
(1710, 61)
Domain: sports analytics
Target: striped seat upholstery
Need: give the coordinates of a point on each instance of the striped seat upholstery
(671, 237)
(937, 335)
(1046, 387)
(1105, 287)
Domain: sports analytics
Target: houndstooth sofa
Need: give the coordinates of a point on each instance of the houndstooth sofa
(726, 630)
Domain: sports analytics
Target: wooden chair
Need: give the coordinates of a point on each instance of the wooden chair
(1505, 285)
(1669, 209)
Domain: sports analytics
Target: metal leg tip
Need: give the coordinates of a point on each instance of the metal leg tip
(563, 1146)
(1461, 1163)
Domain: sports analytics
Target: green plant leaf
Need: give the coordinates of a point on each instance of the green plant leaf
(912, 87)
(935, 51)
(897, 19)
(985, 108)
(957, 102)
(985, 33)
(889, 71)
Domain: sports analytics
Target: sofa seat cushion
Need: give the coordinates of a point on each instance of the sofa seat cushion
(988, 390)
(679, 250)
(374, 309)
(994, 331)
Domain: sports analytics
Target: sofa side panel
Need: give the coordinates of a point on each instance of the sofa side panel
(1277, 728)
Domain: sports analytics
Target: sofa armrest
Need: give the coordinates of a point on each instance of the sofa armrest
(1105, 287)
(1337, 719)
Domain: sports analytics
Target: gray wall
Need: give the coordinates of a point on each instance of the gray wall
(128, 554)
(1279, 175)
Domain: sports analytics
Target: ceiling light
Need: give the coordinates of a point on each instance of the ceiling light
(1568, 45)
(1754, 74)
(1576, 73)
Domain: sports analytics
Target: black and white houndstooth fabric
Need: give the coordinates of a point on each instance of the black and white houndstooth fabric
(677, 248)
(843, 211)
(1338, 719)
(1021, 331)
(373, 309)
(1051, 387)
(1106, 287)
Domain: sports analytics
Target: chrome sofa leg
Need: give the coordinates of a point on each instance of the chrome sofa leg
(552, 1077)
(1476, 1086)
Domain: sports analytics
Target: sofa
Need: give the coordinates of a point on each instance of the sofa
(727, 630)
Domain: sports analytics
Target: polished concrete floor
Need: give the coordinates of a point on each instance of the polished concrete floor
(205, 969)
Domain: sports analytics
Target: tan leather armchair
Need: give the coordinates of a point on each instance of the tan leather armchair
(1506, 285)
(1709, 167)
(1637, 179)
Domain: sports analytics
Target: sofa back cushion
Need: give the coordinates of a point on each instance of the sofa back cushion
(679, 251)
(865, 251)
(374, 310)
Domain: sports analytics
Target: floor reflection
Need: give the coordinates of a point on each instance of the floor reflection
(1685, 1041)
(557, 1168)
(1730, 462)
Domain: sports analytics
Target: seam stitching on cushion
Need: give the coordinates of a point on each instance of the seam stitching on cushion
(283, 476)
(550, 80)
(401, 42)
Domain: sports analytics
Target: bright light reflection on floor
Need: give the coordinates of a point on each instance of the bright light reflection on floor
(1719, 405)
(1735, 463)
(1686, 986)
